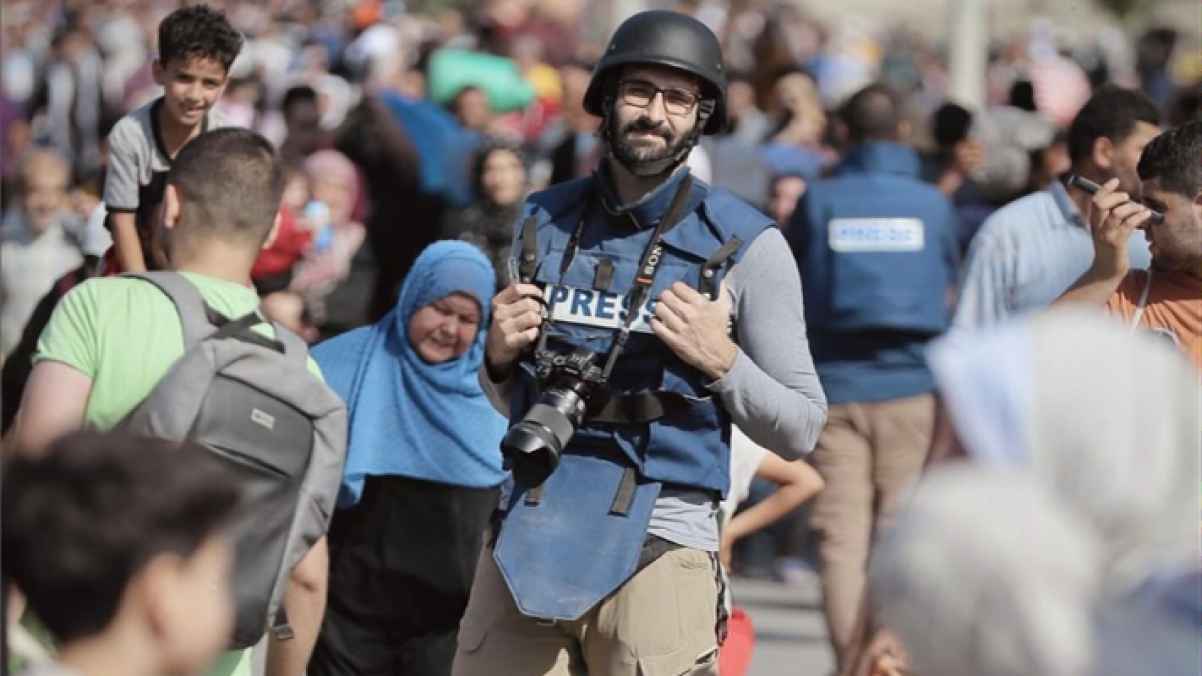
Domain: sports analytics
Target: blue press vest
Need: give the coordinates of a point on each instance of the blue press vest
(563, 548)
(873, 244)
(693, 448)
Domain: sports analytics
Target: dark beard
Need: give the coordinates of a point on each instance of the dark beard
(631, 155)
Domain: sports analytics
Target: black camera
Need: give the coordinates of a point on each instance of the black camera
(568, 382)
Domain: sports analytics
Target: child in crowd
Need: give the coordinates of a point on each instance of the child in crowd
(273, 269)
(797, 482)
(116, 543)
(197, 46)
(37, 241)
(334, 189)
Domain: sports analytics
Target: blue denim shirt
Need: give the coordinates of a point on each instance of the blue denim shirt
(1026, 255)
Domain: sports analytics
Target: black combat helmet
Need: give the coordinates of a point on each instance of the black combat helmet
(664, 38)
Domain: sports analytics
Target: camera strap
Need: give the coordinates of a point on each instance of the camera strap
(529, 257)
(649, 265)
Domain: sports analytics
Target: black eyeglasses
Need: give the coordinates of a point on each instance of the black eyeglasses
(641, 93)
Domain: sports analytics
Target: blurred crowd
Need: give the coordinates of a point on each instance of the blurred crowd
(402, 124)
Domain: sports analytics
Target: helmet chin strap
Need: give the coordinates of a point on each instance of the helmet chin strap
(645, 168)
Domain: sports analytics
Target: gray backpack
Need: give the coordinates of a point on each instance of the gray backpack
(253, 403)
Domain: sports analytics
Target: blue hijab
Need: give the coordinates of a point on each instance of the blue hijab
(408, 417)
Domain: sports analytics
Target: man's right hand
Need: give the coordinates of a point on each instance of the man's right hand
(517, 316)
(1112, 218)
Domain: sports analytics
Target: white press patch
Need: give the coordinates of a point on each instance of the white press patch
(590, 307)
(852, 235)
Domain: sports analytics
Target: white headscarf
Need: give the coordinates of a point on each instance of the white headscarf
(1108, 419)
(985, 573)
(1085, 446)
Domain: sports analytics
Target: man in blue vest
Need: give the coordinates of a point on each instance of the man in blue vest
(877, 251)
(652, 312)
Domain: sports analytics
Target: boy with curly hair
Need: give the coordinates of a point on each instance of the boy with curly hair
(197, 46)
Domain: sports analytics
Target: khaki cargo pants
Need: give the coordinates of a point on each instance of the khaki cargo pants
(660, 623)
(869, 455)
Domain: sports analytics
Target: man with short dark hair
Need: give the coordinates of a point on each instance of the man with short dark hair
(1167, 297)
(111, 339)
(877, 250)
(1029, 252)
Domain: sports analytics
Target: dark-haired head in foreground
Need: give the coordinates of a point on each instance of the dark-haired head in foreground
(116, 543)
(223, 191)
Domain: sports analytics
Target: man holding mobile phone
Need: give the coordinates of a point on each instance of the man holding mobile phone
(1030, 251)
(1166, 298)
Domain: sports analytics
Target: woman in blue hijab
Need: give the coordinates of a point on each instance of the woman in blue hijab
(422, 471)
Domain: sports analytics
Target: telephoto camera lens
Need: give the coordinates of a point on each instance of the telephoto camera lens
(534, 444)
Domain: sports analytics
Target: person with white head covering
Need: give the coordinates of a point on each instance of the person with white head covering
(1108, 418)
(987, 573)
(1079, 505)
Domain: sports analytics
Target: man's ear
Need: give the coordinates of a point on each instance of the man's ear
(171, 207)
(156, 69)
(275, 230)
(152, 591)
(1102, 153)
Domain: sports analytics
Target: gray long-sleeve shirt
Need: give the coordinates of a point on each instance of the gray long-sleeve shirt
(772, 392)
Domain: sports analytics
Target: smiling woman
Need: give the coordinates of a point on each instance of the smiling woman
(421, 471)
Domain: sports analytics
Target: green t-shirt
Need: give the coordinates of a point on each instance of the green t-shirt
(125, 334)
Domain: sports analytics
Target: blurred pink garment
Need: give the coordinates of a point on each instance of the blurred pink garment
(1061, 88)
(323, 268)
(334, 167)
(319, 272)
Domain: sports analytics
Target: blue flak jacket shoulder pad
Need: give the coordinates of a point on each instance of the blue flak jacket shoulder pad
(551, 204)
(561, 197)
(734, 217)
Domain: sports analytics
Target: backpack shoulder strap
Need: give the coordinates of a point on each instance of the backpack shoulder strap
(295, 348)
(193, 311)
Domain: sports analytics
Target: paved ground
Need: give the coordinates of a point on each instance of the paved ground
(790, 631)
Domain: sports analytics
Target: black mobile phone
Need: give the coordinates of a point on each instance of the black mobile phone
(1092, 188)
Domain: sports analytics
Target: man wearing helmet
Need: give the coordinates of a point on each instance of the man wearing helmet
(651, 313)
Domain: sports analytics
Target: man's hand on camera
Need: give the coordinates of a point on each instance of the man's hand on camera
(516, 318)
(696, 328)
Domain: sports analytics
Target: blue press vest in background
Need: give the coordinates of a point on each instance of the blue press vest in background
(568, 549)
(877, 252)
